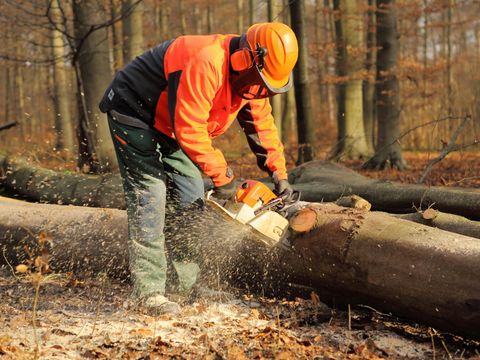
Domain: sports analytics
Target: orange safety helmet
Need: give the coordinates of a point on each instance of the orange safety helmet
(263, 64)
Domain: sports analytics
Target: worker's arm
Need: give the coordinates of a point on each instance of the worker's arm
(191, 93)
(257, 122)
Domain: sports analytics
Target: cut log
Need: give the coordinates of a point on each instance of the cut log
(421, 273)
(448, 222)
(317, 180)
(83, 239)
(357, 257)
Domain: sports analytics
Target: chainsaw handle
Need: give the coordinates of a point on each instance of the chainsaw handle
(295, 197)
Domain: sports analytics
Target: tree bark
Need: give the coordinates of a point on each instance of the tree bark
(95, 75)
(349, 255)
(183, 19)
(64, 123)
(117, 36)
(251, 12)
(305, 128)
(240, 17)
(352, 142)
(369, 100)
(132, 29)
(388, 150)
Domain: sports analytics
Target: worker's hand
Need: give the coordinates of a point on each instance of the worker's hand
(225, 192)
(284, 190)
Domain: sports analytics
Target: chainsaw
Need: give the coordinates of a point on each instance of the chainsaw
(257, 206)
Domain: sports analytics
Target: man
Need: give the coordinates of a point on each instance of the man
(165, 107)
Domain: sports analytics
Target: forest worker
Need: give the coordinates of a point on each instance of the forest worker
(165, 107)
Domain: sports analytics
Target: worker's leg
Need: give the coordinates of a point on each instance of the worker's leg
(184, 215)
(139, 157)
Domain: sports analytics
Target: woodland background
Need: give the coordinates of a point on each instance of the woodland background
(394, 79)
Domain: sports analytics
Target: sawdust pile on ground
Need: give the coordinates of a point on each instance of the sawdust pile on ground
(95, 319)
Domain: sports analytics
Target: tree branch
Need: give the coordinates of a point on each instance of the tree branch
(451, 146)
(8, 125)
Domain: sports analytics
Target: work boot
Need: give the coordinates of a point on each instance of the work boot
(159, 305)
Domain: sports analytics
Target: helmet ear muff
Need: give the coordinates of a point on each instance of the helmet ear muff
(241, 60)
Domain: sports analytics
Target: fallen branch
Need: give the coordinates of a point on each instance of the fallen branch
(450, 147)
(8, 125)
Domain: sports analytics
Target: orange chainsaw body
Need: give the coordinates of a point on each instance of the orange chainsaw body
(251, 192)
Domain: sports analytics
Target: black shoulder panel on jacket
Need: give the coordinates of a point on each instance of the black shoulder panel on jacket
(246, 122)
(138, 86)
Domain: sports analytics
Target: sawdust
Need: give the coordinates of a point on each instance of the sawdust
(97, 319)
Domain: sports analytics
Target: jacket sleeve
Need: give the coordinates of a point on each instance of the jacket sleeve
(190, 96)
(256, 120)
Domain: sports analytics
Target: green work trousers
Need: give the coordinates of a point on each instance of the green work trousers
(154, 169)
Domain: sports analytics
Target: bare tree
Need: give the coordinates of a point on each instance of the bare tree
(305, 128)
(133, 29)
(240, 17)
(352, 143)
(388, 150)
(64, 125)
(369, 101)
(117, 36)
(94, 76)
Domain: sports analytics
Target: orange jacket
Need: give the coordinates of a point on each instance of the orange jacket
(199, 105)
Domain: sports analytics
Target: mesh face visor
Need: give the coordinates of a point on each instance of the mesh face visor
(251, 83)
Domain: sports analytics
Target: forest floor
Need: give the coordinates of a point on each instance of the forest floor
(95, 318)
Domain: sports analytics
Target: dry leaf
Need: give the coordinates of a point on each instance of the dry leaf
(141, 331)
(22, 268)
(234, 352)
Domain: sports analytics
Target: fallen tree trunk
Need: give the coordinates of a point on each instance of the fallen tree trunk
(358, 257)
(317, 180)
(61, 187)
(448, 222)
(323, 181)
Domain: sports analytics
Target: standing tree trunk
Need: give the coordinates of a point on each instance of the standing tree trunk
(183, 19)
(197, 19)
(210, 17)
(305, 128)
(63, 124)
(94, 76)
(165, 20)
(369, 113)
(251, 12)
(289, 129)
(352, 142)
(117, 36)
(19, 91)
(387, 90)
(240, 18)
(276, 101)
(450, 5)
(132, 29)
